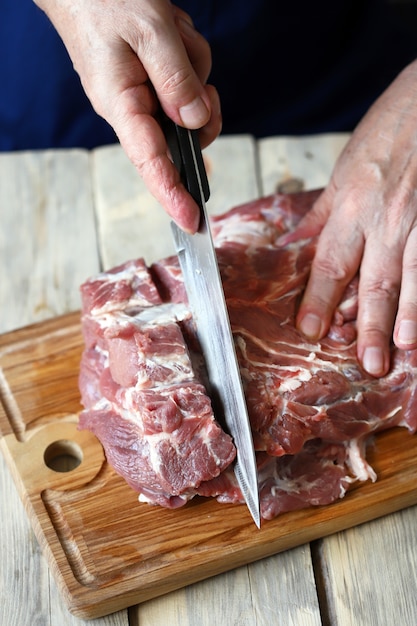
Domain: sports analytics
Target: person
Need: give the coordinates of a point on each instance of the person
(278, 70)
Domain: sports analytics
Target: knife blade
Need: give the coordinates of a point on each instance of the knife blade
(204, 288)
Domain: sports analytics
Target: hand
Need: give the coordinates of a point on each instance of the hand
(367, 220)
(130, 55)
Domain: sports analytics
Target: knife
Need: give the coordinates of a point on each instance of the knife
(204, 288)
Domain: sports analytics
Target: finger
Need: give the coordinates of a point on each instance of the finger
(212, 129)
(145, 145)
(164, 56)
(405, 331)
(379, 287)
(336, 261)
(129, 106)
(197, 47)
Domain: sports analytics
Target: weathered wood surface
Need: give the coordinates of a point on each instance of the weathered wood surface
(365, 576)
(47, 246)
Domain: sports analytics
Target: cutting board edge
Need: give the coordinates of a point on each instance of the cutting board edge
(87, 602)
(102, 605)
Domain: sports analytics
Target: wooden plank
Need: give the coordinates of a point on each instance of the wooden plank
(17, 191)
(232, 172)
(132, 224)
(47, 238)
(48, 245)
(42, 181)
(294, 163)
(270, 591)
(370, 572)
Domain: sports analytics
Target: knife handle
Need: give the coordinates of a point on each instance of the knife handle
(184, 145)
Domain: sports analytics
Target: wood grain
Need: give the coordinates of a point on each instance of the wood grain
(105, 549)
(279, 589)
(295, 163)
(233, 171)
(368, 571)
(53, 246)
(48, 245)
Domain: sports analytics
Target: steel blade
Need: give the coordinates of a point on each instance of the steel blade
(202, 279)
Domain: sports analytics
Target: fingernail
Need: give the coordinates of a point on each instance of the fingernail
(373, 361)
(195, 114)
(407, 332)
(310, 326)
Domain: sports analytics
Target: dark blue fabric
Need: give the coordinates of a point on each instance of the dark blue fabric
(42, 103)
(301, 67)
(280, 67)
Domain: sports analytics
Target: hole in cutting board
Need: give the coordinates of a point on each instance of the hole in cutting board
(63, 456)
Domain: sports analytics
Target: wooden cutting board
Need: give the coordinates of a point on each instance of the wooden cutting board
(106, 550)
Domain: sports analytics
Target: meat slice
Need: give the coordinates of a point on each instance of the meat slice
(141, 395)
(164, 443)
(312, 407)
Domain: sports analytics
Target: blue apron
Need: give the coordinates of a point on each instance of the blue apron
(311, 67)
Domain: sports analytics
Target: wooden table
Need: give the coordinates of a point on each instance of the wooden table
(65, 215)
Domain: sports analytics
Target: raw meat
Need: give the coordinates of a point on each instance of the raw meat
(141, 396)
(312, 407)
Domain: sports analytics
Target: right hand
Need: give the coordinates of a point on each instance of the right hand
(125, 53)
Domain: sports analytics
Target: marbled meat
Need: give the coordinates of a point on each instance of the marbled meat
(313, 409)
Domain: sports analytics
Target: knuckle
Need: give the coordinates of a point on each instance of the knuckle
(400, 213)
(375, 325)
(333, 270)
(403, 195)
(384, 288)
(173, 82)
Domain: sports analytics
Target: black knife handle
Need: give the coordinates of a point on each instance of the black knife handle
(182, 143)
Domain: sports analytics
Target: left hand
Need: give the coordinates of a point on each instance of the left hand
(367, 220)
